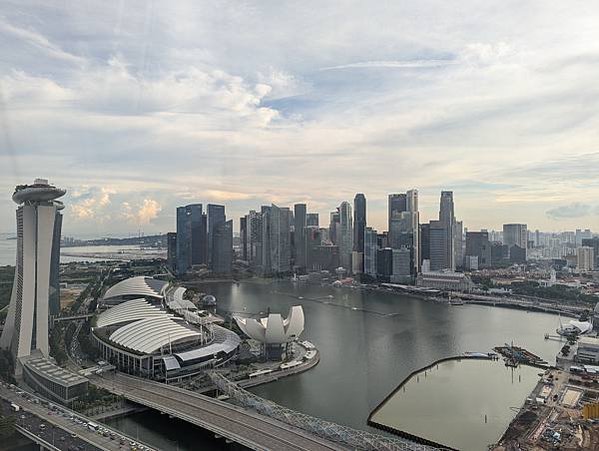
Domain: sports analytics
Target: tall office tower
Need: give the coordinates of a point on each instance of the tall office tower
(345, 235)
(278, 241)
(243, 237)
(384, 264)
(299, 231)
(54, 294)
(312, 220)
(359, 228)
(447, 219)
(515, 237)
(215, 217)
(370, 248)
(265, 263)
(478, 245)
(334, 226)
(254, 231)
(438, 245)
(26, 326)
(425, 246)
(458, 239)
(412, 208)
(190, 235)
(171, 250)
(402, 265)
(222, 248)
(397, 203)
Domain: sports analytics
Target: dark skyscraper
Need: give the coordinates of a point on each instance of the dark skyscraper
(216, 216)
(243, 236)
(222, 250)
(447, 220)
(312, 220)
(359, 222)
(189, 226)
(438, 246)
(477, 245)
(334, 226)
(171, 250)
(425, 243)
(300, 235)
(198, 233)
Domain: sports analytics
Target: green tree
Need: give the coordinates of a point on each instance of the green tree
(7, 426)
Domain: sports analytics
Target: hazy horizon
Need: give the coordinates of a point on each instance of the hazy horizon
(136, 108)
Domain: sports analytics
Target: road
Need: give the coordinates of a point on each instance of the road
(63, 429)
(235, 423)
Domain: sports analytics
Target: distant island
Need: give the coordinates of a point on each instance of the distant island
(157, 241)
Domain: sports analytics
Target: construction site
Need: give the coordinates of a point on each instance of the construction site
(562, 412)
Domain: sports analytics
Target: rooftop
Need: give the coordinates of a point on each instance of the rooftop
(50, 371)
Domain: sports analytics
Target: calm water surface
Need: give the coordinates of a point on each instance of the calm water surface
(465, 404)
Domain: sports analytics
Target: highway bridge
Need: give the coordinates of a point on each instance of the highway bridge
(60, 429)
(231, 422)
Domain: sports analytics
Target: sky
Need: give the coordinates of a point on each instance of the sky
(138, 107)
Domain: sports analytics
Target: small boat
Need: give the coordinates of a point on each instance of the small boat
(456, 302)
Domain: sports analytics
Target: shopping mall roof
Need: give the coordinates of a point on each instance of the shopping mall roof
(150, 334)
(224, 341)
(137, 286)
(133, 310)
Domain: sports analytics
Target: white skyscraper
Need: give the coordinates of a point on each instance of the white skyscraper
(26, 327)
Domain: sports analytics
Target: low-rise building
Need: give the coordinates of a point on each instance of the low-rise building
(52, 381)
(445, 280)
(588, 350)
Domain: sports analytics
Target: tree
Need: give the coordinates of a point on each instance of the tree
(7, 426)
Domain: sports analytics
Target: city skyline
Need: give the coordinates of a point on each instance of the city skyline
(135, 110)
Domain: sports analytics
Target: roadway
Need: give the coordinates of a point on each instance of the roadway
(62, 429)
(242, 426)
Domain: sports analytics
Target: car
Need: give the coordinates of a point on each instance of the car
(73, 435)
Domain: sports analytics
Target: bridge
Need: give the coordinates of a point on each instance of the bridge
(85, 316)
(58, 430)
(231, 422)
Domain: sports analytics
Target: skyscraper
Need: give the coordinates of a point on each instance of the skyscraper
(397, 203)
(345, 235)
(243, 236)
(447, 220)
(26, 326)
(190, 237)
(478, 245)
(516, 235)
(359, 228)
(438, 244)
(54, 295)
(215, 217)
(171, 250)
(222, 248)
(334, 226)
(279, 240)
(370, 248)
(312, 220)
(300, 234)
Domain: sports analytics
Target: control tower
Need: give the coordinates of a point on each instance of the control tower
(36, 275)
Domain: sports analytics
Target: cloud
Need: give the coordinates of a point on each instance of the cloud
(415, 64)
(574, 210)
(142, 214)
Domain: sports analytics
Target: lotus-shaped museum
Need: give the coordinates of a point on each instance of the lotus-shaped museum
(273, 329)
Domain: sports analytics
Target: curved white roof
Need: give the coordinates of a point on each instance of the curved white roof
(137, 286)
(149, 335)
(273, 329)
(128, 311)
(175, 301)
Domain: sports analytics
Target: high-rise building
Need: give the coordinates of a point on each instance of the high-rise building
(585, 258)
(216, 216)
(458, 240)
(26, 326)
(334, 226)
(402, 265)
(299, 235)
(345, 235)
(171, 250)
(594, 243)
(312, 220)
(384, 264)
(397, 204)
(276, 241)
(447, 220)
(359, 228)
(438, 244)
(477, 245)
(370, 248)
(243, 237)
(190, 237)
(425, 246)
(222, 248)
(516, 235)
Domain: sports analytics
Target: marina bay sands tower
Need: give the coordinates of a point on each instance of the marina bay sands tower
(36, 275)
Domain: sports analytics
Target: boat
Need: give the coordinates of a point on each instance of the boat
(456, 302)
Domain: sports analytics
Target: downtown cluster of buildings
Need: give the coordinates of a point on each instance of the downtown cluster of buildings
(279, 240)
(202, 238)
